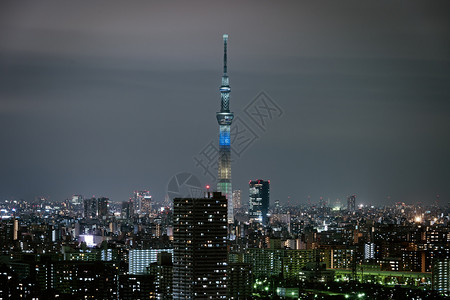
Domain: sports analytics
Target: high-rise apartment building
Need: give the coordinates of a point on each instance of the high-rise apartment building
(259, 193)
(200, 247)
(441, 275)
(240, 281)
(369, 251)
(162, 270)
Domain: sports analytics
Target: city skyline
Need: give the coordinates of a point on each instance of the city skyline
(123, 101)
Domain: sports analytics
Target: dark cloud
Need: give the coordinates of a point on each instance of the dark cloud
(108, 97)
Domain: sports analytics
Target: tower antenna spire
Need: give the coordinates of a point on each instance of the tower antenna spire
(225, 41)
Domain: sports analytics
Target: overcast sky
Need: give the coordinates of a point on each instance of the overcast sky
(107, 97)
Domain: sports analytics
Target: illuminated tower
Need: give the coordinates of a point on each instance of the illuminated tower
(225, 117)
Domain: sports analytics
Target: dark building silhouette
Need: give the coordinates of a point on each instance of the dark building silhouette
(102, 207)
(351, 203)
(81, 279)
(200, 247)
(132, 287)
(240, 281)
(95, 207)
(8, 283)
(90, 208)
(259, 193)
(162, 270)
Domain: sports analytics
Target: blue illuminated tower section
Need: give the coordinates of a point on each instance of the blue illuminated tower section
(225, 117)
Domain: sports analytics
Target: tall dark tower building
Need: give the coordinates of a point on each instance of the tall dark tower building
(200, 247)
(225, 118)
(259, 200)
(95, 207)
(351, 203)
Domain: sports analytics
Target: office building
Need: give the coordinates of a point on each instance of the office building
(142, 202)
(259, 193)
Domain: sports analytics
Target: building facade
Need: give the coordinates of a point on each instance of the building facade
(259, 192)
(140, 259)
(237, 199)
(200, 247)
(95, 207)
(351, 203)
(441, 276)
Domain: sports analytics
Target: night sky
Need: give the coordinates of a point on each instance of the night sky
(107, 97)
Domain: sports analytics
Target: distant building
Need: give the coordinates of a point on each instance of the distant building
(90, 208)
(240, 281)
(200, 247)
(142, 201)
(369, 251)
(265, 262)
(96, 207)
(342, 258)
(146, 205)
(283, 262)
(140, 259)
(259, 192)
(299, 264)
(126, 209)
(103, 207)
(16, 229)
(162, 270)
(85, 279)
(277, 207)
(237, 199)
(351, 203)
(76, 200)
(136, 287)
(316, 272)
